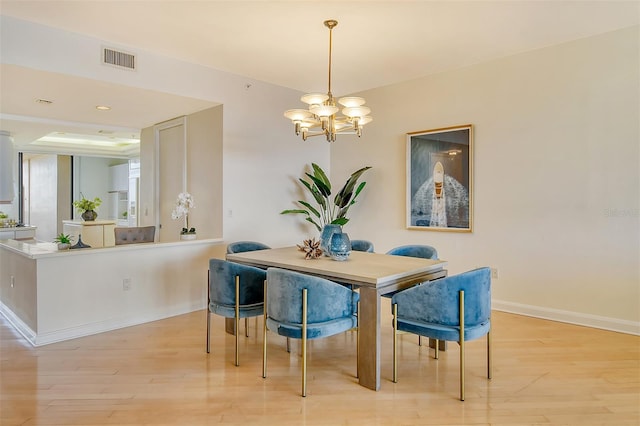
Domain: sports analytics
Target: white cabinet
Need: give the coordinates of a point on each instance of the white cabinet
(20, 233)
(7, 235)
(119, 177)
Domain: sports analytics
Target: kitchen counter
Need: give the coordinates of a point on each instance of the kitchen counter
(50, 295)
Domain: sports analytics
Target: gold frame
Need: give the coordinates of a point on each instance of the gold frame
(440, 160)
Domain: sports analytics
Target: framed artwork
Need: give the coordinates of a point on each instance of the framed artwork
(439, 179)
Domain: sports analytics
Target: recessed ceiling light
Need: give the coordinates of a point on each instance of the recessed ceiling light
(103, 108)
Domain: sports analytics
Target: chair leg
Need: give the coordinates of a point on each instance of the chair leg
(288, 345)
(489, 363)
(208, 327)
(246, 327)
(264, 334)
(304, 342)
(395, 343)
(419, 340)
(461, 310)
(208, 311)
(237, 317)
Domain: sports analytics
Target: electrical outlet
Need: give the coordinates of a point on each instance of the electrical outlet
(494, 273)
(126, 284)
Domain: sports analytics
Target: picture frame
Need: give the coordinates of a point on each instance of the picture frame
(439, 179)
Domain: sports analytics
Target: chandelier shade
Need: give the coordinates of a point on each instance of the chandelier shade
(322, 117)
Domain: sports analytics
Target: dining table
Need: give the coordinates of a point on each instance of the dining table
(374, 274)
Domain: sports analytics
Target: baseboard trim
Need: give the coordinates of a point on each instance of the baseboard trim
(18, 324)
(92, 328)
(576, 318)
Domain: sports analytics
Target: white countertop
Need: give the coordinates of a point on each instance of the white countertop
(34, 249)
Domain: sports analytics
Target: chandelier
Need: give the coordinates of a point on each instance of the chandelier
(321, 118)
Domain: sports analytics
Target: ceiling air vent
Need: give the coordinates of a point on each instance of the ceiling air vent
(118, 59)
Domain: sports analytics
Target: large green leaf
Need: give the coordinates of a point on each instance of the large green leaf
(316, 194)
(340, 221)
(320, 174)
(362, 184)
(324, 189)
(309, 219)
(344, 195)
(310, 207)
(294, 211)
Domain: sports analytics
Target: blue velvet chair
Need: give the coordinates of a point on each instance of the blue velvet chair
(455, 308)
(235, 291)
(242, 246)
(362, 245)
(300, 306)
(415, 250)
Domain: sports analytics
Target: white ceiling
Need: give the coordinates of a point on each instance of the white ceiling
(376, 43)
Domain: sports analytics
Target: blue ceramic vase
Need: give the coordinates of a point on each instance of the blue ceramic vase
(340, 246)
(325, 237)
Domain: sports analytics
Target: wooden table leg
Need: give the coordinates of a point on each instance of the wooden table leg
(369, 335)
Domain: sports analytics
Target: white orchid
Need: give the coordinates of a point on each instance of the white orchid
(184, 204)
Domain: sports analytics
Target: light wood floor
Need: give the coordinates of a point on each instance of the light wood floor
(159, 374)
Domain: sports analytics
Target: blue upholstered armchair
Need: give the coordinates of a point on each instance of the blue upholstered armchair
(415, 250)
(234, 291)
(455, 308)
(304, 307)
(242, 246)
(362, 245)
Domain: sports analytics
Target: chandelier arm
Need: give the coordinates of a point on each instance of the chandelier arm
(311, 134)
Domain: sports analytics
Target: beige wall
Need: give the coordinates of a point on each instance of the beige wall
(556, 164)
(556, 175)
(204, 178)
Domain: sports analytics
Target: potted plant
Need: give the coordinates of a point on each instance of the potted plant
(329, 214)
(88, 207)
(184, 204)
(328, 211)
(63, 240)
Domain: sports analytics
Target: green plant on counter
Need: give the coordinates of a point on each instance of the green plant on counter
(328, 211)
(125, 214)
(63, 239)
(3, 215)
(84, 204)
